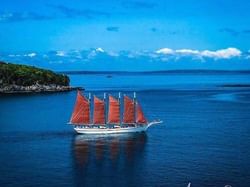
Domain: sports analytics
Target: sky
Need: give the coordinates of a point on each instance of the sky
(147, 35)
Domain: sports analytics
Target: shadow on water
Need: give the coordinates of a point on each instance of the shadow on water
(107, 157)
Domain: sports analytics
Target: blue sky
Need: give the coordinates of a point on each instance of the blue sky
(142, 29)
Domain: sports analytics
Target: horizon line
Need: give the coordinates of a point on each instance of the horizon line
(153, 71)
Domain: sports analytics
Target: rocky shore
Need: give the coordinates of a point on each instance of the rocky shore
(37, 88)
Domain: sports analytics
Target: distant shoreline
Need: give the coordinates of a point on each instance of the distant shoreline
(235, 85)
(76, 72)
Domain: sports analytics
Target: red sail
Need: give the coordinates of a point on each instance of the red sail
(81, 113)
(140, 118)
(129, 110)
(99, 111)
(114, 111)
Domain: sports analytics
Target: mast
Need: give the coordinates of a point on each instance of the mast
(90, 108)
(119, 100)
(105, 107)
(134, 100)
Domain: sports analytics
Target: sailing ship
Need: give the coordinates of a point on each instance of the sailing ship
(106, 115)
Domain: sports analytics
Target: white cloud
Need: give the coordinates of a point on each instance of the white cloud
(187, 51)
(12, 55)
(218, 54)
(99, 50)
(165, 51)
(95, 52)
(30, 55)
(60, 53)
(222, 53)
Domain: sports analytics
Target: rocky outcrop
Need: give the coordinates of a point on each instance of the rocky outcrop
(35, 88)
(17, 78)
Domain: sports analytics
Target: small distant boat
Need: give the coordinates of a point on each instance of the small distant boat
(133, 119)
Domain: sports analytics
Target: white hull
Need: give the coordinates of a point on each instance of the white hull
(93, 130)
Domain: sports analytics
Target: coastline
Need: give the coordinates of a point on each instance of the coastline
(235, 85)
(16, 89)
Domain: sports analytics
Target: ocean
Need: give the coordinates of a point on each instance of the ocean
(204, 138)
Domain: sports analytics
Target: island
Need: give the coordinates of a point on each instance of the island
(16, 78)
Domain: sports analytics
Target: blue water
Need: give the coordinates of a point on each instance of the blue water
(204, 138)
